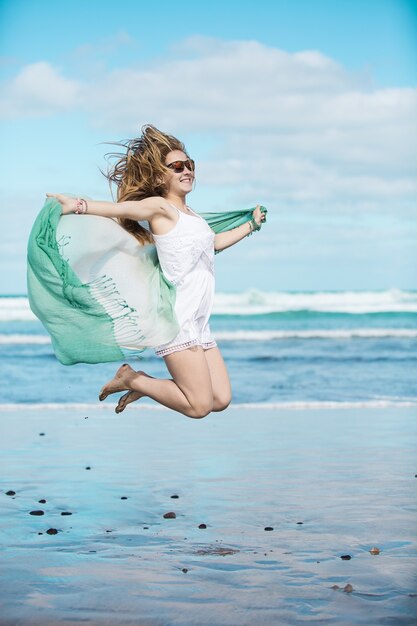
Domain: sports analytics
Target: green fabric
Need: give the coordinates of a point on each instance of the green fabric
(81, 330)
(221, 222)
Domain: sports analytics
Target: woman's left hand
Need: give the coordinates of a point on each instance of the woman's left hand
(257, 215)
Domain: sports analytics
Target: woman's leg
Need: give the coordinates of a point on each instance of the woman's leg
(220, 384)
(222, 391)
(189, 392)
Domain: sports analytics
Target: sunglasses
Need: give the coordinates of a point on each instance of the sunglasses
(179, 166)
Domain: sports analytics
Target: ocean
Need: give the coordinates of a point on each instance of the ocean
(282, 349)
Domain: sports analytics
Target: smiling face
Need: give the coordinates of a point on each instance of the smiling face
(181, 183)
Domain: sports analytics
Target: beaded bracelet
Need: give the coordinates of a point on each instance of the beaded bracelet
(255, 224)
(81, 206)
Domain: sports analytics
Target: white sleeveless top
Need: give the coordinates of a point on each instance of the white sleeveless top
(186, 256)
(188, 244)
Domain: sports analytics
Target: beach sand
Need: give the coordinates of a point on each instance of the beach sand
(330, 483)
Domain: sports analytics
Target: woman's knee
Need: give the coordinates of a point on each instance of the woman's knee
(221, 402)
(201, 407)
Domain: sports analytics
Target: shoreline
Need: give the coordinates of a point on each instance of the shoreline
(303, 405)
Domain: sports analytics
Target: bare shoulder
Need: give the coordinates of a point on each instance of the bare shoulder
(163, 218)
(147, 209)
(157, 207)
(153, 204)
(165, 207)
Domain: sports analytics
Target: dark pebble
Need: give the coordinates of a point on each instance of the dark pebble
(10, 493)
(40, 533)
(42, 501)
(86, 418)
(41, 434)
(346, 557)
(66, 513)
(175, 496)
(123, 498)
(300, 522)
(145, 527)
(203, 526)
(170, 515)
(88, 467)
(52, 531)
(268, 528)
(37, 513)
(185, 570)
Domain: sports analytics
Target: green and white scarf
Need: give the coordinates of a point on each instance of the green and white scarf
(100, 294)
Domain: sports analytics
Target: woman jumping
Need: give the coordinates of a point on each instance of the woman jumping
(153, 180)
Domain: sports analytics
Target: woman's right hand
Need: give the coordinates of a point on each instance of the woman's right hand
(67, 203)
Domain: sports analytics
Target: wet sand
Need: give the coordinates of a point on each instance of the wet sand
(328, 483)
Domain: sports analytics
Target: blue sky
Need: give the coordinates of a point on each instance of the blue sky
(308, 107)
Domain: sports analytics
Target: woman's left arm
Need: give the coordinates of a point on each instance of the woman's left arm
(230, 237)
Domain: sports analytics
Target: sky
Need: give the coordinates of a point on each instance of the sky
(308, 107)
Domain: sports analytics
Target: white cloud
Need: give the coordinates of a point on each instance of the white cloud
(297, 127)
(38, 89)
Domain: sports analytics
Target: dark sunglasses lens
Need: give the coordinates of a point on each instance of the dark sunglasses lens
(179, 166)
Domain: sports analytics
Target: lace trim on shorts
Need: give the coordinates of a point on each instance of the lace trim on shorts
(183, 346)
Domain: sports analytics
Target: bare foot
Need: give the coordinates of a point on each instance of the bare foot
(130, 396)
(119, 382)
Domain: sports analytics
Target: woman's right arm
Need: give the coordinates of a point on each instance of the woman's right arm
(137, 210)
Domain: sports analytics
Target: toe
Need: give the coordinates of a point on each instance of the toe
(121, 405)
(103, 395)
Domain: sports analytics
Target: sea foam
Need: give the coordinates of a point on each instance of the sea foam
(254, 335)
(261, 303)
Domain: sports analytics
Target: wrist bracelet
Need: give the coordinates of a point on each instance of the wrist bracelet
(81, 206)
(255, 225)
(250, 228)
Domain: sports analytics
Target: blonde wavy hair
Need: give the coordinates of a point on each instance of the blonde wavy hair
(140, 172)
